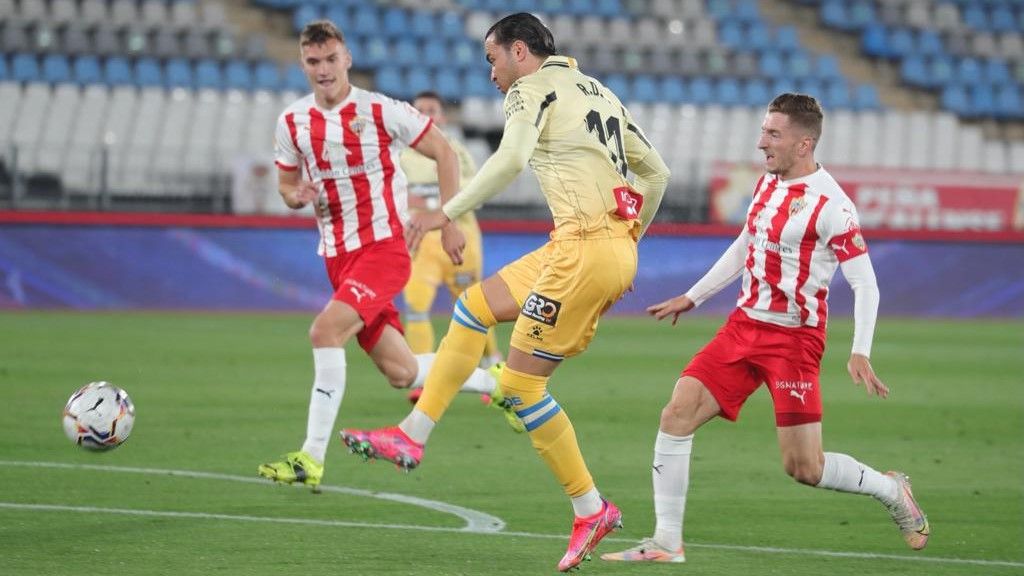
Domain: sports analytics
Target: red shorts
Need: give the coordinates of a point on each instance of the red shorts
(747, 352)
(368, 280)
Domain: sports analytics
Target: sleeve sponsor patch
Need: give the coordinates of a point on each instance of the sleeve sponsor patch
(849, 244)
(514, 103)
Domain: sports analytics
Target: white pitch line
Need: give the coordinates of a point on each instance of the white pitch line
(493, 526)
(476, 521)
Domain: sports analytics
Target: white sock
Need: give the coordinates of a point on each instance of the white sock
(480, 381)
(587, 504)
(328, 389)
(845, 474)
(417, 426)
(671, 478)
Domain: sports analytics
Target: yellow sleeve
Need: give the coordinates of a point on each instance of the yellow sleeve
(512, 155)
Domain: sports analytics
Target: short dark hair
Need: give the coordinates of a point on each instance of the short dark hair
(429, 94)
(526, 27)
(319, 32)
(803, 110)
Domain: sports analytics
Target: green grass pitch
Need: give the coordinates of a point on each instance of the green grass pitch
(216, 394)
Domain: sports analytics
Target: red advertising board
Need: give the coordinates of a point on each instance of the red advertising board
(897, 200)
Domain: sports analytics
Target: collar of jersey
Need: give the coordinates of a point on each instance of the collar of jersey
(350, 98)
(560, 61)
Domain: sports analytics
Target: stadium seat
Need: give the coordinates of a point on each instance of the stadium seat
(644, 88)
(417, 80)
(435, 53)
(865, 97)
(395, 23)
(423, 24)
(208, 74)
(148, 72)
(3, 68)
(798, 65)
(701, 91)
(756, 92)
(178, 74)
(1008, 102)
(787, 39)
(24, 68)
(340, 15)
(303, 15)
(266, 76)
(954, 99)
(968, 71)
(914, 71)
(448, 84)
(672, 90)
(56, 69)
(406, 52)
(237, 75)
(366, 20)
(875, 41)
(982, 100)
(477, 84)
(388, 79)
(619, 85)
(771, 64)
(295, 79)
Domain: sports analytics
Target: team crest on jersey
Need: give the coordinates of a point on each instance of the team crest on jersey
(357, 123)
(858, 241)
(796, 206)
(541, 309)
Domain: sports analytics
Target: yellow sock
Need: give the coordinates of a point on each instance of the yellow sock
(491, 348)
(550, 430)
(459, 353)
(419, 332)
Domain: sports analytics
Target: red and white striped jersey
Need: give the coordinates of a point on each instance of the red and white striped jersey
(351, 153)
(800, 231)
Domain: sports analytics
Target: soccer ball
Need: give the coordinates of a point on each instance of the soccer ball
(99, 416)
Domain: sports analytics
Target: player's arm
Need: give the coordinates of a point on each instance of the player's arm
(728, 267)
(517, 146)
(860, 274)
(651, 172)
(435, 146)
(295, 191)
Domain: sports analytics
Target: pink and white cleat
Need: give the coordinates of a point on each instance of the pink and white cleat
(647, 551)
(389, 444)
(907, 514)
(587, 532)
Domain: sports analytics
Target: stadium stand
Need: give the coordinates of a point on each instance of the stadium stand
(163, 82)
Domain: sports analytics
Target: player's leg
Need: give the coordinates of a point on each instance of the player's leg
(804, 460)
(331, 329)
(419, 294)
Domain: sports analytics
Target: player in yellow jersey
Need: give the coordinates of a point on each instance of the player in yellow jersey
(580, 141)
(431, 266)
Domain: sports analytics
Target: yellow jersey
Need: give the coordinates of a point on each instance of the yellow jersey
(421, 173)
(587, 140)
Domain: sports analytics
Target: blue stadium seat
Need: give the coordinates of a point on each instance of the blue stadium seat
(968, 71)
(465, 54)
(782, 85)
(941, 70)
(448, 84)
(295, 79)
(417, 80)
(117, 71)
(862, 14)
(1008, 102)
(238, 75)
(178, 74)
(303, 15)
(366, 20)
(914, 71)
(827, 67)
(477, 84)
(812, 87)
(451, 26)
(901, 43)
(388, 80)
(771, 64)
(405, 52)
(435, 53)
(266, 76)
(758, 37)
(396, 23)
(835, 15)
(728, 92)
(3, 68)
(376, 52)
(954, 99)
(701, 91)
(837, 95)
(874, 41)
(929, 43)
(730, 34)
(644, 88)
(1002, 20)
(423, 24)
(56, 69)
(86, 70)
(719, 9)
(865, 97)
(974, 16)
(982, 100)
(341, 16)
(798, 65)
(787, 39)
(24, 68)
(610, 8)
(148, 73)
(756, 92)
(208, 75)
(618, 84)
(997, 72)
(671, 89)
(747, 11)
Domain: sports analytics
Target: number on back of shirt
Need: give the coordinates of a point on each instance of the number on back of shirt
(610, 135)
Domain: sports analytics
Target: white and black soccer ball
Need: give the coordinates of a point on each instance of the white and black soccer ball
(99, 416)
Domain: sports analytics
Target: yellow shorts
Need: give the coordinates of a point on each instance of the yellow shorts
(563, 288)
(431, 267)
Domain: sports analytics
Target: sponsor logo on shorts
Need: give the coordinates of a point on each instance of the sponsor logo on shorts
(798, 395)
(360, 290)
(541, 309)
(796, 388)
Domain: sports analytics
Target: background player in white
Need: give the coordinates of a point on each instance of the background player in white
(800, 227)
(338, 149)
